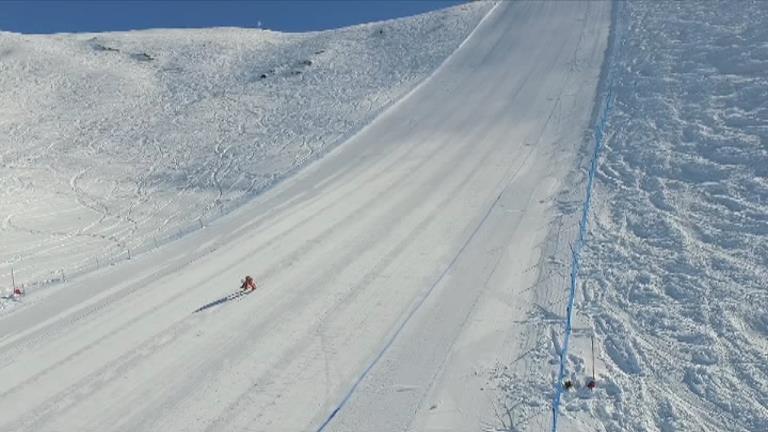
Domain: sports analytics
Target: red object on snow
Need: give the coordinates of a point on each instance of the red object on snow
(248, 283)
(18, 291)
(591, 384)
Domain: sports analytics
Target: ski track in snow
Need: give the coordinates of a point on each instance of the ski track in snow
(115, 143)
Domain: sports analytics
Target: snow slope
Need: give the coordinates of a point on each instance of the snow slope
(674, 276)
(395, 274)
(114, 143)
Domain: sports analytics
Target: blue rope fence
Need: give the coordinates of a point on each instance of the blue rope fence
(599, 134)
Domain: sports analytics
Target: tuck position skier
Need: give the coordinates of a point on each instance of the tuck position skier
(248, 284)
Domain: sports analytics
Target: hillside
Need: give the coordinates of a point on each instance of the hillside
(114, 143)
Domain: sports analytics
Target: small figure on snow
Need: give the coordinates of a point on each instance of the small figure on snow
(591, 384)
(248, 284)
(18, 291)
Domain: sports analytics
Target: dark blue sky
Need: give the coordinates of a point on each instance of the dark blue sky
(287, 15)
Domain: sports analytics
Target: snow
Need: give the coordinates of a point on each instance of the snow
(112, 144)
(396, 274)
(673, 280)
(407, 204)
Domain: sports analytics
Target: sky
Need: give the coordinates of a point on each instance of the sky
(57, 16)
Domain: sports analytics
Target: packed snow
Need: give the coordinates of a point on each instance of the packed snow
(115, 143)
(394, 274)
(407, 195)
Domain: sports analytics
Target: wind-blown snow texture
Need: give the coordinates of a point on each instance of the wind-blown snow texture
(674, 275)
(115, 142)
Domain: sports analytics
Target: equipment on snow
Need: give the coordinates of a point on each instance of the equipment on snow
(591, 384)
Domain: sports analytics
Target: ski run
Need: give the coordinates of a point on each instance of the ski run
(407, 196)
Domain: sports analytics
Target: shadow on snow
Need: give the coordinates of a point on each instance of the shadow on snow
(226, 298)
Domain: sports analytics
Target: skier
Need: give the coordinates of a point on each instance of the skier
(248, 284)
(591, 384)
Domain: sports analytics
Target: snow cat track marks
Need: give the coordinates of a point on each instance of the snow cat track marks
(59, 328)
(354, 292)
(536, 334)
(78, 315)
(72, 395)
(107, 302)
(349, 295)
(343, 194)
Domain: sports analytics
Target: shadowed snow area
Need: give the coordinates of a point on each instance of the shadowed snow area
(674, 274)
(113, 143)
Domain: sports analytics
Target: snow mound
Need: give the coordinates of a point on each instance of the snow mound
(114, 143)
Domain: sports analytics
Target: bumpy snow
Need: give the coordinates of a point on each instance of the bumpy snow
(674, 275)
(113, 143)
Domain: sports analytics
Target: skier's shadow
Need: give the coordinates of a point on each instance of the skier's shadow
(226, 298)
